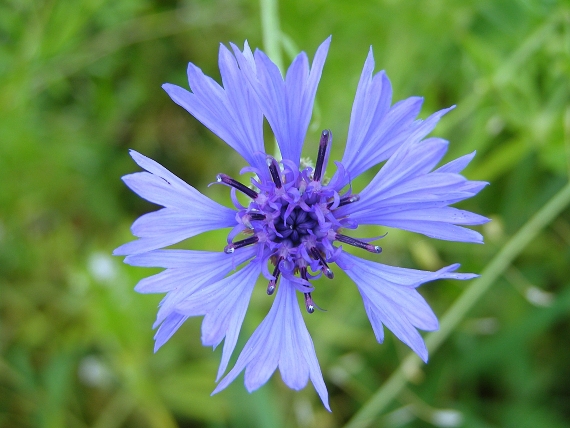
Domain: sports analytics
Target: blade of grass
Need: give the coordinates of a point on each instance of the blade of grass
(271, 31)
(496, 267)
(272, 41)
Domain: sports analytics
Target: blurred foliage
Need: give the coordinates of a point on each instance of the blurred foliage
(80, 84)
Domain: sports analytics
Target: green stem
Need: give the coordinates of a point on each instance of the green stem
(394, 385)
(272, 40)
(271, 31)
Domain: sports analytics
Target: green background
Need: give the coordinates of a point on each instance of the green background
(80, 85)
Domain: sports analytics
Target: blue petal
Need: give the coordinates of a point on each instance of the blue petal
(280, 340)
(187, 213)
(390, 298)
(438, 230)
(230, 112)
(457, 165)
(428, 188)
(224, 304)
(421, 128)
(373, 99)
(411, 160)
(185, 259)
(444, 215)
(165, 281)
(375, 320)
(167, 329)
(188, 271)
(193, 281)
(185, 268)
(387, 134)
(186, 281)
(405, 195)
(287, 104)
(377, 130)
(231, 309)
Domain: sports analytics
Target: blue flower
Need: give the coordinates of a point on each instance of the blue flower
(297, 224)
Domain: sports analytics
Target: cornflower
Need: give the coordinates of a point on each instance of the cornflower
(296, 225)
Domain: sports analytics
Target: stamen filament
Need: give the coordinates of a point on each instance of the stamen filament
(327, 271)
(303, 272)
(230, 248)
(309, 304)
(326, 137)
(357, 243)
(225, 179)
(274, 170)
(273, 283)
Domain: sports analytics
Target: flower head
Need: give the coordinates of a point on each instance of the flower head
(296, 226)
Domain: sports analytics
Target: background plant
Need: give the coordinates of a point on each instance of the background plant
(80, 84)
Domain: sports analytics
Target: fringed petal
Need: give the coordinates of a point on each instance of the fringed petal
(187, 212)
(281, 340)
(230, 111)
(286, 103)
(390, 298)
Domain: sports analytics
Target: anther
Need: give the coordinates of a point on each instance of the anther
(272, 284)
(327, 271)
(357, 243)
(274, 170)
(225, 179)
(309, 304)
(271, 287)
(326, 139)
(230, 248)
(256, 216)
(349, 200)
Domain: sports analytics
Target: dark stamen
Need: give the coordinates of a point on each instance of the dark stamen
(274, 170)
(349, 200)
(223, 178)
(256, 216)
(272, 284)
(345, 201)
(324, 266)
(271, 288)
(326, 138)
(360, 244)
(230, 248)
(309, 304)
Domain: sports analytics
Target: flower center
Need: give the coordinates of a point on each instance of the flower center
(295, 226)
(294, 221)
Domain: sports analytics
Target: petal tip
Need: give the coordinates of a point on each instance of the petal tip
(119, 251)
(134, 154)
